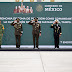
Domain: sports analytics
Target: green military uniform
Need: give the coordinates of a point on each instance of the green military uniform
(1, 32)
(18, 32)
(36, 30)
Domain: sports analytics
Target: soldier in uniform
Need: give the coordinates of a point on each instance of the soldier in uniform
(57, 32)
(1, 32)
(36, 31)
(18, 31)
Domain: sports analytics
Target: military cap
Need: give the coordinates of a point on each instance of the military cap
(56, 20)
(35, 18)
(18, 19)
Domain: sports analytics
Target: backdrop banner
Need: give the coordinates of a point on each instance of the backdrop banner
(46, 12)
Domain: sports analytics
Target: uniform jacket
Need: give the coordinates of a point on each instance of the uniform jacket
(18, 28)
(36, 27)
(57, 29)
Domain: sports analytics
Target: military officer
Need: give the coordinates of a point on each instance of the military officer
(36, 31)
(18, 31)
(57, 32)
(1, 32)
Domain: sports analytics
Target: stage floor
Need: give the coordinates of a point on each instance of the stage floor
(31, 49)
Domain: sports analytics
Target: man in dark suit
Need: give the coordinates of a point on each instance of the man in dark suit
(36, 31)
(57, 32)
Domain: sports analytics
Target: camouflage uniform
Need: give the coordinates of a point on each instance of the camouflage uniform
(1, 32)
